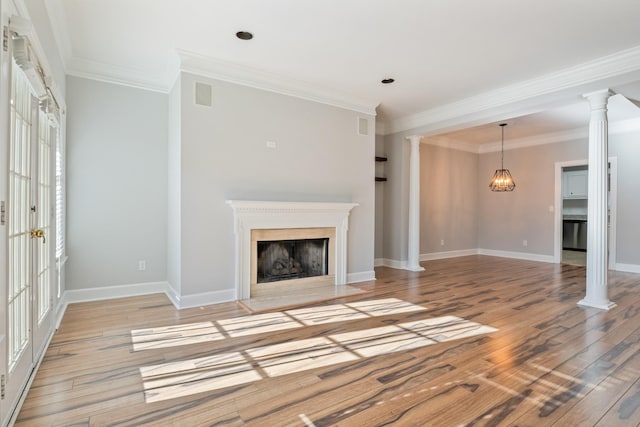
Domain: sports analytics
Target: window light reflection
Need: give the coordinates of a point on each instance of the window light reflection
(194, 333)
(183, 378)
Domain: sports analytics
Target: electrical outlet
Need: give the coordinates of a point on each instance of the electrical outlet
(442, 242)
(272, 144)
(525, 243)
(142, 265)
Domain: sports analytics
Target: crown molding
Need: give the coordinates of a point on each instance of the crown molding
(542, 139)
(452, 144)
(615, 65)
(258, 79)
(621, 127)
(614, 128)
(119, 75)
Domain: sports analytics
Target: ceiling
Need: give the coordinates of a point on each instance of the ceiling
(526, 61)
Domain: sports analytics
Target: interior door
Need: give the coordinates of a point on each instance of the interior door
(29, 312)
(41, 233)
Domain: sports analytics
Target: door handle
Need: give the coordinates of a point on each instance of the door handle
(38, 234)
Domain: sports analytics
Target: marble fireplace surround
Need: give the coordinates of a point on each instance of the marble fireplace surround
(251, 215)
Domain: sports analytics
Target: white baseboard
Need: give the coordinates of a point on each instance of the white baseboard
(173, 296)
(448, 254)
(111, 292)
(392, 263)
(205, 298)
(517, 255)
(627, 268)
(402, 265)
(363, 276)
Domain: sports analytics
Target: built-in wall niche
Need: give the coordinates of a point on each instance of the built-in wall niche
(380, 172)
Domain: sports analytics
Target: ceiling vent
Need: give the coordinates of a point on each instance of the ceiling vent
(363, 126)
(203, 94)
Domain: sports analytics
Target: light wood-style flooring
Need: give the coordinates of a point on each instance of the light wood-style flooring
(476, 341)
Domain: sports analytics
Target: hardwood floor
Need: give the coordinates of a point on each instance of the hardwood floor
(477, 341)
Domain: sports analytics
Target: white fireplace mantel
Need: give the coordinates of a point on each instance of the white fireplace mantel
(260, 215)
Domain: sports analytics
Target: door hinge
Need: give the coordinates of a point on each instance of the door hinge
(3, 213)
(2, 386)
(5, 38)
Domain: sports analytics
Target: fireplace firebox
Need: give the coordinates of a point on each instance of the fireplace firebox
(292, 259)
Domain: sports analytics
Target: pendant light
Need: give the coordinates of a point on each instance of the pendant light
(502, 180)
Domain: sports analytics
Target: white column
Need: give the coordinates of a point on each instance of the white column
(597, 209)
(413, 253)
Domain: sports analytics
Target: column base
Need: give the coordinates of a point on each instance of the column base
(602, 305)
(416, 268)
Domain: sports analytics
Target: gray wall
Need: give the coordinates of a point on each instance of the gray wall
(448, 199)
(381, 170)
(626, 148)
(117, 184)
(396, 191)
(319, 157)
(506, 219)
(457, 205)
(174, 224)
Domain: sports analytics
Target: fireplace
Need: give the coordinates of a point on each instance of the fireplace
(288, 258)
(265, 221)
(292, 259)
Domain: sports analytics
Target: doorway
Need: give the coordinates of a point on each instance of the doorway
(571, 212)
(30, 234)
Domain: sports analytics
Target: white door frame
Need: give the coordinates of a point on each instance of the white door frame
(613, 194)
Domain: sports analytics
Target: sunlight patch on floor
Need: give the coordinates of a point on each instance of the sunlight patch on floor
(194, 333)
(183, 378)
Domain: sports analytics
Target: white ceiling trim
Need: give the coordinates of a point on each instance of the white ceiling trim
(246, 76)
(118, 75)
(624, 126)
(549, 138)
(618, 64)
(452, 144)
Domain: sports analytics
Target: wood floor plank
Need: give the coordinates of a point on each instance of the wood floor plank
(542, 360)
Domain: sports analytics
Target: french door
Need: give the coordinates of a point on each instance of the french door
(30, 233)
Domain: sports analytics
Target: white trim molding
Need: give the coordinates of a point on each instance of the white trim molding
(627, 268)
(525, 94)
(286, 85)
(362, 276)
(110, 292)
(517, 255)
(202, 299)
(391, 263)
(255, 215)
(448, 254)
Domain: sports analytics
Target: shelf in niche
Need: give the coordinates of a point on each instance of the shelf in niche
(381, 158)
(380, 179)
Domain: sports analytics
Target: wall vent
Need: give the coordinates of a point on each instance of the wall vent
(203, 94)
(363, 126)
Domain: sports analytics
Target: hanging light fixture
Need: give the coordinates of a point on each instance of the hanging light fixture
(502, 180)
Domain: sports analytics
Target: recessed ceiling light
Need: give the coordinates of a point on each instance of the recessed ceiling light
(387, 80)
(244, 35)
